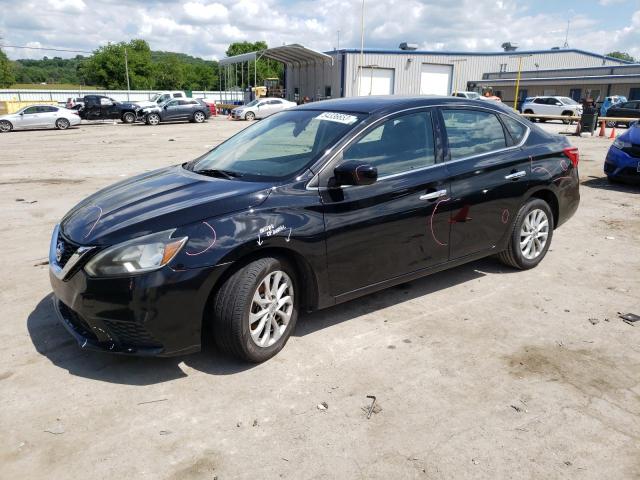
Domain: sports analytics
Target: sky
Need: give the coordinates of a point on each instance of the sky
(205, 28)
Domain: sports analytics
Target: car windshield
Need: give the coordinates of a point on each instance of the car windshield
(279, 146)
(253, 103)
(568, 101)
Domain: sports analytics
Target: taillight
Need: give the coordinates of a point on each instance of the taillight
(572, 154)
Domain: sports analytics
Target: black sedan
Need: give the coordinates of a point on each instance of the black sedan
(176, 110)
(630, 110)
(308, 208)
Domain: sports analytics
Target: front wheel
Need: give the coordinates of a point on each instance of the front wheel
(62, 124)
(255, 310)
(129, 117)
(250, 116)
(153, 119)
(531, 236)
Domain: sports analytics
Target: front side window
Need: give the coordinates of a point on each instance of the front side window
(173, 103)
(279, 146)
(540, 100)
(30, 110)
(106, 101)
(472, 132)
(398, 145)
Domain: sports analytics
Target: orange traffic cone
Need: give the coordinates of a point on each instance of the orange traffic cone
(613, 133)
(602, 131)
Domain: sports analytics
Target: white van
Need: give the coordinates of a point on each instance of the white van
(162, 97)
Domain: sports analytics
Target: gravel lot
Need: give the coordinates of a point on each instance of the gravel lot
(479, 372)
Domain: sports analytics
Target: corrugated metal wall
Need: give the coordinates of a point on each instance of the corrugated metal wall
(311, 80)
(120, 95)
(568, 72)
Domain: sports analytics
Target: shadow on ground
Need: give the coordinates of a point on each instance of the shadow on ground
(52, 340)
(603, 184)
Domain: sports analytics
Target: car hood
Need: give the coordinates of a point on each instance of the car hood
(632, 135)
(156, 201)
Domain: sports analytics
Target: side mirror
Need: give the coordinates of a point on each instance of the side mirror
(354, 173)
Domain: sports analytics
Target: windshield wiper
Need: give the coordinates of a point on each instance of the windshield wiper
(213, 172)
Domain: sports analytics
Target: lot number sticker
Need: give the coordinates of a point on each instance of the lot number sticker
(337, 117)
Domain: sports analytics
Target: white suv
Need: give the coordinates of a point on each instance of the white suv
(552, 106)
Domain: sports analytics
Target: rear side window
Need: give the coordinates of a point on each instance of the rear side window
(472, 132)
(398, 145)
(515, 128)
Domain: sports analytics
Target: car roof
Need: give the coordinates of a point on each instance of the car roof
(390, 103)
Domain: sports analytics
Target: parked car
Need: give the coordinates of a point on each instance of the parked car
(175, 110)
(99, 107)
(623, 158)
(630, 110)
(311, 207)
(74, 103)
(39, 116)
(552, 106)
(161, 97)
(261, 108)
(610, 102)
(470, 95)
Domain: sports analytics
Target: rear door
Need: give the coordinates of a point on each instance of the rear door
(49, 115)
(629, 110)
(489, 176)
(396, 225)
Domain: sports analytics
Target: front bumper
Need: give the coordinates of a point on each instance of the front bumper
(621, 165)
(159, 313)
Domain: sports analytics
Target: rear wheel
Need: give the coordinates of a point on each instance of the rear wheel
(568, 120)
(5, 126)
(153, 119)
(250, 116)
(255, 310)
(531, 236)
(62, 124)
(129, 117)
(199, 117)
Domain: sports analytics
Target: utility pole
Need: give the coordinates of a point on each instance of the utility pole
(361, 48)
(455, 73)
(126, 71)
(519, 57)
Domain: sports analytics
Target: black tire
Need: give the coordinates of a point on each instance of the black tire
(153, 119)
(612, 180)
(5, 126)
(62, 124)
(128, 117)
(231, 307)
(567, 121)
(250, 116)
(513, 255)
(199, 116)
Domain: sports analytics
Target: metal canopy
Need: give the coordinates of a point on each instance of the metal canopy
(293, 54)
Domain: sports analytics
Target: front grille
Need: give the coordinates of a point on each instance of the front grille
(634, 150)
(130, 334)
(77, 322)
(68, 249)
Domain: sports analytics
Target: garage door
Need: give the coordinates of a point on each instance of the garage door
(377, 81)
(435, 79)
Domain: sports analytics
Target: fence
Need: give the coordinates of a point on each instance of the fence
(61, 96)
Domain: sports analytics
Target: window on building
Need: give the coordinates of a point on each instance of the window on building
(399, 145)
(472, 132)
(327, 91)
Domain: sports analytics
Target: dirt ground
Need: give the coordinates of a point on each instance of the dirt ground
(479, 372)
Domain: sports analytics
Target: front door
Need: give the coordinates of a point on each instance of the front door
(489, 176)
(171, 111)
(30, 118)
(399, 224)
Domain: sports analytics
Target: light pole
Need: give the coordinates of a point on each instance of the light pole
(455, 73)
(361, 47)
(519, 57)
(126, 71)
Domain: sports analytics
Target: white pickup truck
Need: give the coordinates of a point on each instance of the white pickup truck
(161, 97)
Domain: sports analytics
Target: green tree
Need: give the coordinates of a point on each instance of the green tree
(106, 67)
(6, 71)
(168, 73)
(621, 56)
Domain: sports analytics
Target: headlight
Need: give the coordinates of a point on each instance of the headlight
(143, 254)
(621, 144)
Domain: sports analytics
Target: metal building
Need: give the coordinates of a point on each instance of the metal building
(348, 72)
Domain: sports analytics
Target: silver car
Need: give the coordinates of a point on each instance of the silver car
(39, 116)
(261, 108)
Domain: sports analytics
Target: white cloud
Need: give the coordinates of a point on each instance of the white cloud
(71, 6)
(205, 12)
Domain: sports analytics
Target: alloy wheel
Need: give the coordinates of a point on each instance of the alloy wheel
(198, 117)
(5, 127)
(153, 119)
(62, 124)
(534, 233)
(271, 308)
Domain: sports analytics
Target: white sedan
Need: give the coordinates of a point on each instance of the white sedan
(39, 116)
(261, 108)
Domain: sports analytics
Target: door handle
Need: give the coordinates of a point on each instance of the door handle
(433, 195)
(515, 175)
